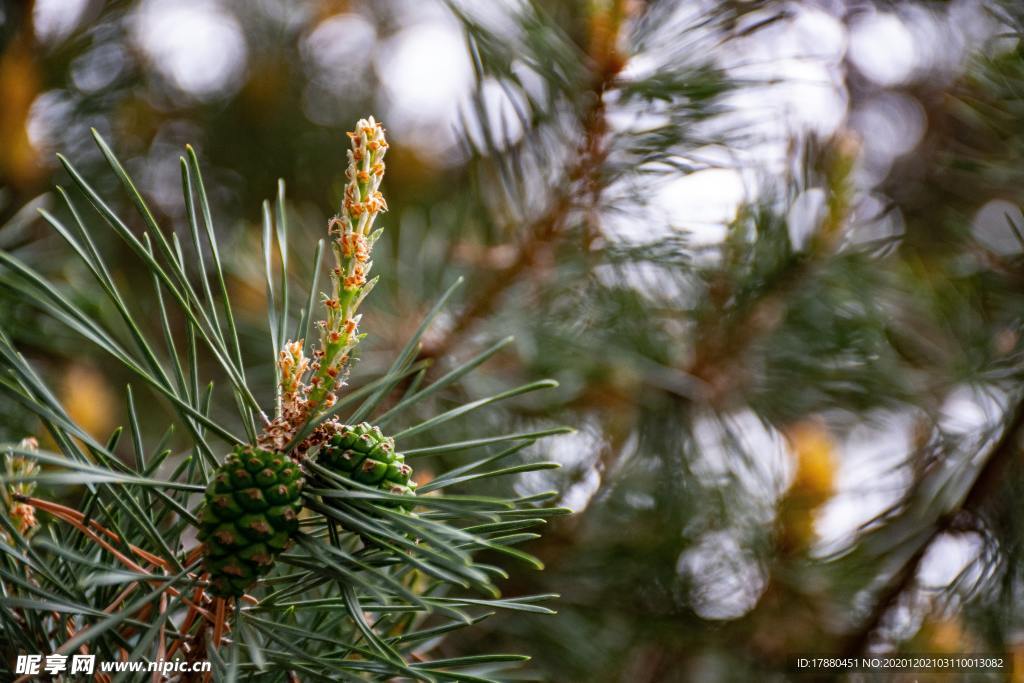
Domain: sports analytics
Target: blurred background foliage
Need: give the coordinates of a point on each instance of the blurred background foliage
(771, 250)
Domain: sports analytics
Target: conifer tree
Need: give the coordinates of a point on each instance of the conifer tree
(844, 345)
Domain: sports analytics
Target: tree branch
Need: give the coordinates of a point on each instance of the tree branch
(583, 186)
(988, 479)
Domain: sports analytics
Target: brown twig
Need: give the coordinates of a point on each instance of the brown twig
(220, 621)
(77, 520)
(121, 597)
(186, 624)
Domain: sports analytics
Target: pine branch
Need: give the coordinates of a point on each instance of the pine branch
(582, 191)
(988, 479)
(740, 316)
(359, 547)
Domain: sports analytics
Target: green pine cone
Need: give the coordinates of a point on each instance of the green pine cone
(251, 513)
(362, 453)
